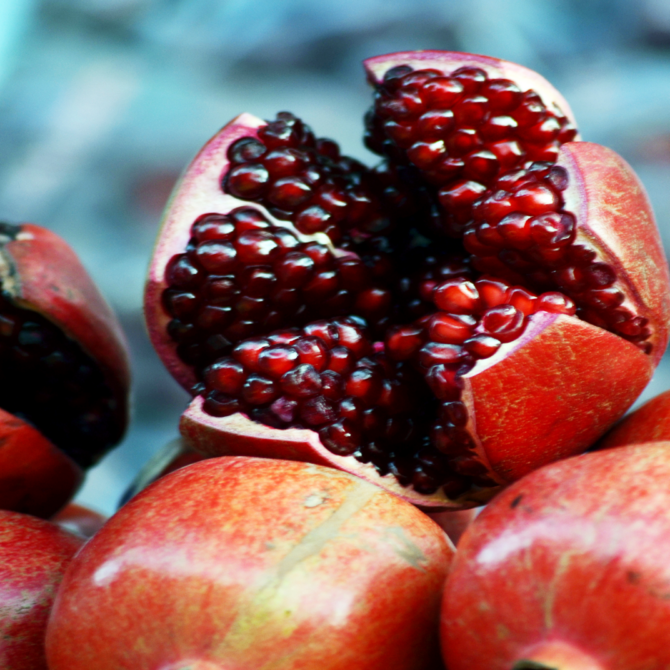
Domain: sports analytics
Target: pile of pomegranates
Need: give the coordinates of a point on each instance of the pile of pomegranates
(372, 353)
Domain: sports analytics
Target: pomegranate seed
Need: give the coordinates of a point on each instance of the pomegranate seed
(451, 328)
(457, 296)
(482, 346)
(301, 382)
(504, 322)
(248, 181)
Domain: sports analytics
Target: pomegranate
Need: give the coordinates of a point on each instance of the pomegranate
(79, 520)
(33, 557)
(236, 562)
(65, 371)
(648, 423)
(567, 569)
(429, 325)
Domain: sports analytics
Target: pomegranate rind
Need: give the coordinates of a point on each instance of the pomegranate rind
(197, 192)
(448, 61)
(238, 435)
(576, 553)
(649, 423)
(41, 272)
(564, 383)
(614, 214)
(36, 477)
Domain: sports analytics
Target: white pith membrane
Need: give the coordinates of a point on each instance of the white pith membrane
(447, 347)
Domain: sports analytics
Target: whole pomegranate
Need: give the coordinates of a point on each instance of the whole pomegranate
(64, 361)
(235, 563)
(567, 569)
(33, 556)
(431, 325)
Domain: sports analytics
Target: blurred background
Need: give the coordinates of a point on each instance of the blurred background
(104, 102)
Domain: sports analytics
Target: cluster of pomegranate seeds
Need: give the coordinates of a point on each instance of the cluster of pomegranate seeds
(328, 378)
(305, 180)
(242, 275)
(51, 382)
(487, 148)
(462, 127)
(521, 225)
(473, 319)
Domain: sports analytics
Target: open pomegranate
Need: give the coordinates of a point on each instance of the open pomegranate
(567, 569)
(489, 299)
(65, 373)
(33, 557)
(236, 563)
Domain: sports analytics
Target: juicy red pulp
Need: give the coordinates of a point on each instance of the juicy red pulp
(445, 252)
(52, 383)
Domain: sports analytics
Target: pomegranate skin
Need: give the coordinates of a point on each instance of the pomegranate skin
(648, 423)
(568, 567)
(239, 563)
(35, 477)
(33, 557)
(42, 273)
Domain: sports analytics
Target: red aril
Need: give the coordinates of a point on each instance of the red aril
(236, 563)
(498, 273)
(569, 566)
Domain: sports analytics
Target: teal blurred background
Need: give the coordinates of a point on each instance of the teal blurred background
(103, 102)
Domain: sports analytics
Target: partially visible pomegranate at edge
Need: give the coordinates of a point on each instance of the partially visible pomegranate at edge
(65, 371)
(235, 563)
(33, 557)
(490, 299)
(567, 569)
(648, 423)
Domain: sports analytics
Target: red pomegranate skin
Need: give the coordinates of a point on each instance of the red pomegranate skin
(237, 563)
(567, 569)
(649, 423)
(33, 557)
(35, 477)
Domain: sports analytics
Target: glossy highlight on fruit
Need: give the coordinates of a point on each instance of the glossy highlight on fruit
(33, 557)
(65, 369)
(249, 563)
(569, 566)
(498, 273)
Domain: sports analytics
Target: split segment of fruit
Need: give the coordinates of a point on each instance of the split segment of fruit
(490, 299)
(65, 371)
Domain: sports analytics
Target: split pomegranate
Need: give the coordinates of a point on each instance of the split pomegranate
(33, 557)
(498, 276)
(65, 370)
(255, 563)
(567, 569)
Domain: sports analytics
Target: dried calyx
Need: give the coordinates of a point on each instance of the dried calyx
(480, 235)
